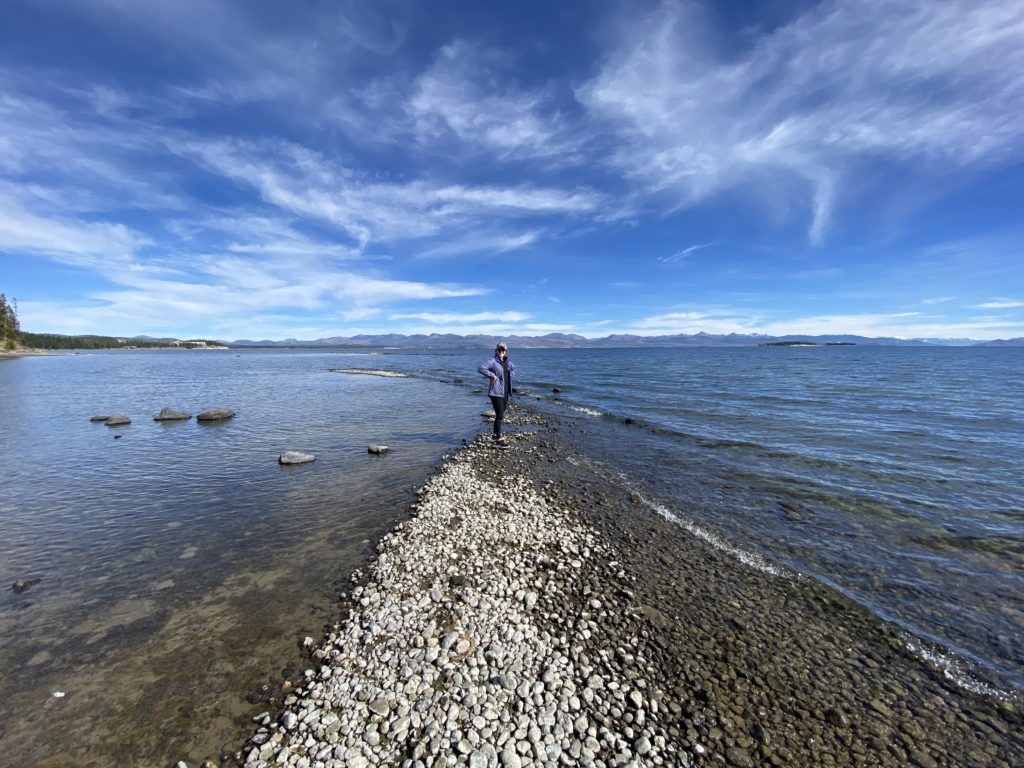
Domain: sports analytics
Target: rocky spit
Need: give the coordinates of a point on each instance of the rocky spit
(535, 612)
(465, 646)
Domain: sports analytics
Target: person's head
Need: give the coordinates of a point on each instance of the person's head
(501, 350)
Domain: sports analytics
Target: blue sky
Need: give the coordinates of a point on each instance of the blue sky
(304, 169)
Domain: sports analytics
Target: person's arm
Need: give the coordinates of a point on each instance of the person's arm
(487, 370)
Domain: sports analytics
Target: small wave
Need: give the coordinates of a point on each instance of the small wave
(747, 558)
(953, 668)
(714, 444)
(584, 409)
(373, 372)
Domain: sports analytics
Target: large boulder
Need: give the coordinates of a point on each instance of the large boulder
(295, 457)
(169, 414)
(378, 450)
(117, 421)
(215, 414)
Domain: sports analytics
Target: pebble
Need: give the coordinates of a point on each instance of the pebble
(494, 629)
(486, 687)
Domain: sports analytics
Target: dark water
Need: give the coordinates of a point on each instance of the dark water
(893, 474)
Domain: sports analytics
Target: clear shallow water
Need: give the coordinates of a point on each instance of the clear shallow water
(168, 553)
(84, 504)
(895, 475)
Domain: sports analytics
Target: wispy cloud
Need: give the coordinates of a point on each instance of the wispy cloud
(456, 97)
(482, 242)
(806, 109)
(685, 253)
(470, 323)
(100, 245)
(1001, 304)
(448, 318)
(306, 183)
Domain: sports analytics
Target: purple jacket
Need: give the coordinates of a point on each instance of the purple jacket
(493, 367)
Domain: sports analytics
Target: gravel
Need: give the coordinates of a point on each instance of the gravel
(533, 611)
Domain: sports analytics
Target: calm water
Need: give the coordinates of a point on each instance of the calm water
(892, 474)
(171, 556)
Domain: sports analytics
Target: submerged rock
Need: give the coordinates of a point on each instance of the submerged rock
(377, 449)
(169, 414)
(215, 414)
(295, 457)
(23, 586)
(99, 418)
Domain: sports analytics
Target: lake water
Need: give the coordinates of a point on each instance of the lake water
(892, 474)
(179, 565)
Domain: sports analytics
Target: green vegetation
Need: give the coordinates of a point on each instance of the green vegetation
(57, 341)
(10, 331)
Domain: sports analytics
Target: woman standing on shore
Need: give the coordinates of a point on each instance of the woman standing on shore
(500, 371)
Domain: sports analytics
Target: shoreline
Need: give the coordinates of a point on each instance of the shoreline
(531, 611)
(11, 354)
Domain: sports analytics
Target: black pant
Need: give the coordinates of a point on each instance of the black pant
(500, 404)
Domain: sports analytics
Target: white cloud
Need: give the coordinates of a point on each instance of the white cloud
(457, 95)
(370, 290)
(483, 243)
(685, 252)
(306, 183)
(932, 84)
(714, 321)
(449, 318)
(1001, 304)
(101, 245)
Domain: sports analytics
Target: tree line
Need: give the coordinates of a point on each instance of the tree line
(10, 330)
(58, 341)
(11, 336)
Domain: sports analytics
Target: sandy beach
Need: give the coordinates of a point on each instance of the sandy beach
(534, 611)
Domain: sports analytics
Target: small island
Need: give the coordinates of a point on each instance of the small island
(807, 344)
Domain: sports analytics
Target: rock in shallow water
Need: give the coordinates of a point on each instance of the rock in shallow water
(169, 414)
(215, 414)
(295, 457)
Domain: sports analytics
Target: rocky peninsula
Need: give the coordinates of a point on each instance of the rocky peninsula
(532, 611)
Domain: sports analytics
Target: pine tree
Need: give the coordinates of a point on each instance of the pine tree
(9, 326)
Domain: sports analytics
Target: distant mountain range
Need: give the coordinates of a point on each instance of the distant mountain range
(567, 341)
